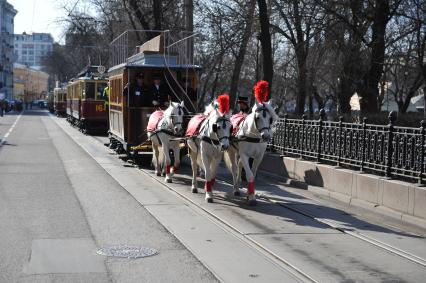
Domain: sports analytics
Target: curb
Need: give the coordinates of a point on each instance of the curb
(350, 201)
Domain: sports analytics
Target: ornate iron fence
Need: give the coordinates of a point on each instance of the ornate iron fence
(390, 151)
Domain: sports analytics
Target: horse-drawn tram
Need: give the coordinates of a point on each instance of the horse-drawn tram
(86, 105)
(60, 100)
(145, 78)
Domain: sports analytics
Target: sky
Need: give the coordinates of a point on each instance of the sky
(39, 16)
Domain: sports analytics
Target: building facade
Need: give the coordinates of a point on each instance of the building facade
(31, 48)
(29, 83)
(7, 15)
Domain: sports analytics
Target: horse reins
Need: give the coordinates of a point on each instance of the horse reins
(251, 139)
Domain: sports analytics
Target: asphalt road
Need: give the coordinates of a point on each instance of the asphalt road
(57, 206)
(63, 195)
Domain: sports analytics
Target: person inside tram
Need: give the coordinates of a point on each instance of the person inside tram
(139, 94)
(160, 93)
(105, 94)
(242, 104)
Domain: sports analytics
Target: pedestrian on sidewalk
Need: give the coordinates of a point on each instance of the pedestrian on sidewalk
(2, 108)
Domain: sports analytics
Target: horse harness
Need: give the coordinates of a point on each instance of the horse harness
(213, 141)
(166, 131)
(264, 110)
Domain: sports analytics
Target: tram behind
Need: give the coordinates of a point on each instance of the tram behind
(128, 120)
(60, 101)
(86, 106)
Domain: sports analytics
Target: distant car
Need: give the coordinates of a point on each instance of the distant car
(40, 103)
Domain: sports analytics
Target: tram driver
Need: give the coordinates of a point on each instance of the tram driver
(139, 94)
(160, 94)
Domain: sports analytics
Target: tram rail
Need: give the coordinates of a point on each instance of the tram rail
(280, 260)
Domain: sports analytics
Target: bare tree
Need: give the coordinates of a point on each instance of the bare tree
(265, 40)
(239, 59)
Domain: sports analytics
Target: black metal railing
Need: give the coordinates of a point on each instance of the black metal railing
(389, 151)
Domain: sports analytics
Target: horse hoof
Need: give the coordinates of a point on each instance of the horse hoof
(252, 202)
(209, 200)
(194, 190)
(168, 180)
(237, 194)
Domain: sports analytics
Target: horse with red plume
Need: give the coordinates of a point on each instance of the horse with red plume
(250, 140)
(207, 147)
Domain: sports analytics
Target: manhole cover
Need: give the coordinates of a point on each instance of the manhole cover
(127, 251)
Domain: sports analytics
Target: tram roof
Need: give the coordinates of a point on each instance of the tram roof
(89, 79)
(153, 60)
(90, 73)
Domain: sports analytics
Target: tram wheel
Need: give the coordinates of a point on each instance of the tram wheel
(142, 159)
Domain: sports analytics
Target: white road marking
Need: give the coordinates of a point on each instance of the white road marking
(3, 140)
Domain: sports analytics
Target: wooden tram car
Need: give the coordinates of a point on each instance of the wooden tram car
(60, 101)
(50, 105)
(86, 107)
(128, 122)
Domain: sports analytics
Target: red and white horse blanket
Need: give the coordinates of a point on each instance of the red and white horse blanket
(154, 119)
(236, 121)
(194, 125)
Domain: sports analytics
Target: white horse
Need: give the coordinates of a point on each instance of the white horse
(250, 142)
(206, 149)
(163, 139)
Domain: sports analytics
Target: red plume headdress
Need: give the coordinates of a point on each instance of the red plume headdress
(223, 103)
(261, 91)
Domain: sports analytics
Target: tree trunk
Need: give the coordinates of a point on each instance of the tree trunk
(344, 96)
(265, 40)
(370, 95)
(158, 14)
(301, 49)
(239, 60)
(189, 26)
(311, 106)
(301, 81)
(318, 98)
(141, 18)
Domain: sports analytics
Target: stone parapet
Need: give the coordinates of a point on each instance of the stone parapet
(407, 200)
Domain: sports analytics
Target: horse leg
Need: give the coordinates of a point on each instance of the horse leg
(167, 162)
(194, 166)
(250, 179)
(239, 171)
(176, 153)
(213, 169)
(207, 160)
(232, 154)
(256, 162)
(155, 157)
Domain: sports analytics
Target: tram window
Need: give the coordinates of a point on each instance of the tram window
(100, 90)
(89, 91)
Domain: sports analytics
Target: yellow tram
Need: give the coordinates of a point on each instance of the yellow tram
(86, 106)
(60, 101)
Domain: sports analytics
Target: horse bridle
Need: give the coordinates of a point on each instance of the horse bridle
(223, 120)
(174, 124)
(264, 111)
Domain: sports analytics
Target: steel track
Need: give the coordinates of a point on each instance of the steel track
(282, 262)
